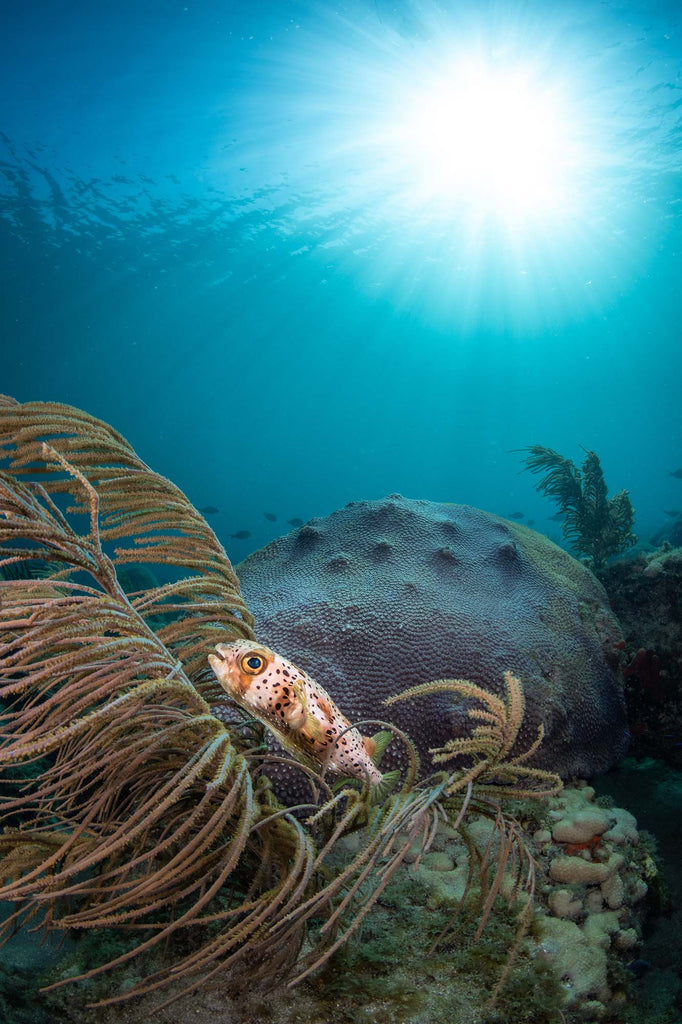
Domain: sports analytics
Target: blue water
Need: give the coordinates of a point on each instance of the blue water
(210, 238)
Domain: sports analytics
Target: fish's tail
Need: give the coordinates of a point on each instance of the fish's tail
(386, 784)
(380, 741)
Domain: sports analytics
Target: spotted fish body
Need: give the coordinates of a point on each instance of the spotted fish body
(300, 713)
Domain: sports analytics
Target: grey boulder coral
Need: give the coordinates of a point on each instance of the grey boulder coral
(382, 595)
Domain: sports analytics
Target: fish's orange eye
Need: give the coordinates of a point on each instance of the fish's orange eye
(252, 663)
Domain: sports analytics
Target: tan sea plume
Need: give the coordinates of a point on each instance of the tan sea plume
(125, 801)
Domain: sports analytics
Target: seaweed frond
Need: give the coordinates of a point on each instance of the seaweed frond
(598, 527)
(141, 517)
(144, 806)
(137, 808)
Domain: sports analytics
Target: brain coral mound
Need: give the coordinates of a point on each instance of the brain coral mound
(381, 595)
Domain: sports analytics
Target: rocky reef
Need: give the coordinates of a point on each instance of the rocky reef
(382, 595)
(646, 595)
(595, 875)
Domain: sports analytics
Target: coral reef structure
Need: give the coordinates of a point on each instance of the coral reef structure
(670, 534)
(383, 595)
(571, 965)
(595, 876)
(645, 593)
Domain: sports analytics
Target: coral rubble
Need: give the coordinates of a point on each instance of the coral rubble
(596, 875)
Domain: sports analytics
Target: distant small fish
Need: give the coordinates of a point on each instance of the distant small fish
(677, 473)
(672, 512)
(270, 516)
(557, 517)
(241, 534)
(295, 522)
(516, 515)
(530, 522)
(208, 510)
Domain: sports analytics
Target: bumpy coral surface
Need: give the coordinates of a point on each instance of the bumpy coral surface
(382, 595)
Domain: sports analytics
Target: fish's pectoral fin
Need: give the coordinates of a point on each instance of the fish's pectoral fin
(300, 694)
(295, 715)
(315, 730)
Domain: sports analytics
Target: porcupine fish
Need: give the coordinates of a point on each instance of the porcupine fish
(300, 713)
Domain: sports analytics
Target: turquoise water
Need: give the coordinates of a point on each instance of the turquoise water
(219, 235)
(302, 254)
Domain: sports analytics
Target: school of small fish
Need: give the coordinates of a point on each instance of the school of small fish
(245, 534)
(296, 522)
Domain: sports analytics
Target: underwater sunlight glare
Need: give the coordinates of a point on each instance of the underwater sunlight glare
(493, 140)
(461, 168)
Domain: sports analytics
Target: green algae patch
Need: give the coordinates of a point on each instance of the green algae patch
(379, 982)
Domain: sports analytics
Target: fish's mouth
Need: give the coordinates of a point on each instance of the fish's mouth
(219, 653)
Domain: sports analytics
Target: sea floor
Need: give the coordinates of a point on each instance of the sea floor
(380, 982)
